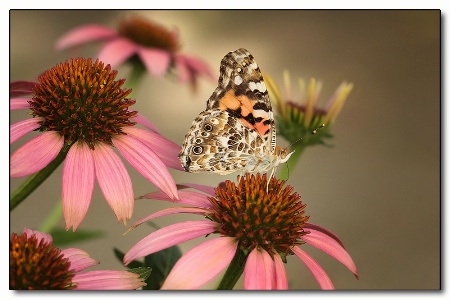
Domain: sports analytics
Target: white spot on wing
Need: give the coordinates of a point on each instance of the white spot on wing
(252, 86)
(238, 80)
(261, 87)
(260, 113)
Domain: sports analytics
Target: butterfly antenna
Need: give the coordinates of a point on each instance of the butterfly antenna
(308, 134)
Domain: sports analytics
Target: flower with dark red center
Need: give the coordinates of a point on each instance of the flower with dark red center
(82, 113)
(35, 264)
(140, 41)
(265, 226)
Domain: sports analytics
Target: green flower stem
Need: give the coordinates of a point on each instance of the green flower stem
(234, 271)
(52, 219)
(33, 181)
(290, 164)
(138, 69)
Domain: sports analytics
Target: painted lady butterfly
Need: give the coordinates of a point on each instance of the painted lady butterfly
(236, 132)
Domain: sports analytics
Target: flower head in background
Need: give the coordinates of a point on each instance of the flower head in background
(36, 264)
(265, 226)
(295, 119)
(81, 111)
(141, 41)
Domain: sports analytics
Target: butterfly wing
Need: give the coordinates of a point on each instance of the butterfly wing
(243, 94)
(237, 127)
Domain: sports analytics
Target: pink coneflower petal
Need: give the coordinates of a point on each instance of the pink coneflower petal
(167, 237)
(200, 187)
(170, 211)
(79, 259)
(201, 264)
(281, 282)
(36, 154)
(317, 271)
(183, 72)
(146, 162)
(117, 51)
(21, 88)
(140, 119)
(155, 60)
(114, 181)
(19, 129)
(84, 34)
(39, 235)
(259, 272)
(184, 197)
(166, 150)
(197, 66)
(329, 245)
(77, 184)
(19, 103)
(324, 231)
(107, 280)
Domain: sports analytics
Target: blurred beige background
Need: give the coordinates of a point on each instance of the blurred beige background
(378, 188)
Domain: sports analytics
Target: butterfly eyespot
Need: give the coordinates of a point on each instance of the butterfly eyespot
(198, 140)
(205, 134)
(208, 127)
(197, 150)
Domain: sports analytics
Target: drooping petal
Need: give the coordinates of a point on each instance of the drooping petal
(198, 66)
(140, 119)
(79, 259)
(19, 103)
(19, 129)
(155, 60)
(183, 72)
(201, 264)
(202, 188)
(146, 162)
(167, 237)
(36, 154)
(77, 184)
(317, 271)
(117, 51)
(114, 182)
(259, 272)
(21, 88)
(324, 231)
(185, 197)
(331, 247)
(170, 211)
(39, 235)
(166, 150)
(108, 280)
(84, 34)
(281, 282)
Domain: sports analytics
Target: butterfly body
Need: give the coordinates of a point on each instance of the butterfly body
(237, 131)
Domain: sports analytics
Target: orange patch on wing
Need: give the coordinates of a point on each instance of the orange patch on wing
(263, 129)
(230, 101)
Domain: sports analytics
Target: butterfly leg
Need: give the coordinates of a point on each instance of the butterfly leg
(270, 177)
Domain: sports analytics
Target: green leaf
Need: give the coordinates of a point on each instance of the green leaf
(142, 272)
(62, 237)
(134, 264)
(161, 263)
